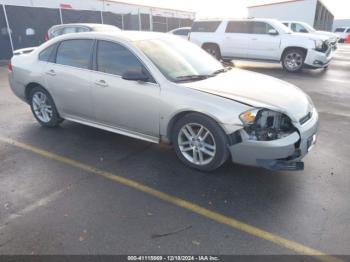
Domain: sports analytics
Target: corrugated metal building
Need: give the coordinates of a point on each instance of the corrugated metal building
(28, 20)
(313, 12)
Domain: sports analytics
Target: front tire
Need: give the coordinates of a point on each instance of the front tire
(293, 60)
(199, 142)
(44, 108)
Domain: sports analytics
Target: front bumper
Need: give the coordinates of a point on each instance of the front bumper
(318, 59)
(281, 154)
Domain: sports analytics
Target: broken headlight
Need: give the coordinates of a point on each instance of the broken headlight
(266, 125)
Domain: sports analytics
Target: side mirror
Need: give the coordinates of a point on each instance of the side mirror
(273, 32)
(135, 75)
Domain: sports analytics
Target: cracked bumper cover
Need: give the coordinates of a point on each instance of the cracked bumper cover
(280, 154)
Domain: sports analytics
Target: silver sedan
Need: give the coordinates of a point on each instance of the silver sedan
(160, 88)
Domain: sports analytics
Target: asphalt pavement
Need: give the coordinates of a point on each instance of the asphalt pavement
(81, 190)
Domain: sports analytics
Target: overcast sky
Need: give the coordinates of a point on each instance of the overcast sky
(234, 8)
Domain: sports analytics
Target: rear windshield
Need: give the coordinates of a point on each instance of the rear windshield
(205, 26)
(340, 30)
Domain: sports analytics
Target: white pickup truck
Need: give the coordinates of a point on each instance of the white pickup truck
(262, 39)
(302, 27)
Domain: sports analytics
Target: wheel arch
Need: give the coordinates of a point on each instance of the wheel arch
(180, 115)
(29, 87)
(293, 47)
(210, 43)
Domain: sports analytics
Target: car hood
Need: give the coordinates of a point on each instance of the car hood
(329, 34)
(312, 36)
(257, 90)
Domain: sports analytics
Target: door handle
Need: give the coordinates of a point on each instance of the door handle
(51, 72)
(101, 83)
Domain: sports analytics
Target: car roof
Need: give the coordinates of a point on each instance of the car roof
(236, 19)
(91, 25)
(129, 36)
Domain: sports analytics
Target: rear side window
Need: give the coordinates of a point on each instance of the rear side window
(340, 30)
(240, 27)
(261, 28)
(205, 26)
(181, 32)
(75, 53)
(57, 32)
(82, 29)
(46, 54)
(115, 59)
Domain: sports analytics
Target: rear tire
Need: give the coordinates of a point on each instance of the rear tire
(199, 142)
(44, 108)
(213, 49)
(293, 60)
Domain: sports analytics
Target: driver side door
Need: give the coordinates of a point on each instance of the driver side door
(126, 105)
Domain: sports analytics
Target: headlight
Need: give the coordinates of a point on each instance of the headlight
(265, 125)
(318, 44)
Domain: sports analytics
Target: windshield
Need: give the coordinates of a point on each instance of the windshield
(308, 27)
(179, 59)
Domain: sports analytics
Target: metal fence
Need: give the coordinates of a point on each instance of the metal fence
(25, 26)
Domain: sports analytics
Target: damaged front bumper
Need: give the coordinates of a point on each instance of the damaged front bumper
(281, 154)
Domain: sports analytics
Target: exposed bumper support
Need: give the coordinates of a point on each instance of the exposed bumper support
(281, 154)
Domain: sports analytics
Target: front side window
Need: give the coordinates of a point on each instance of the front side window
(298, 28)
(115, 59)
(260, 28)
(46, 54)
(75, 53)
(177, 59)
(238, 27)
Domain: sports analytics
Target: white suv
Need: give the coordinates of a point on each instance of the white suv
(262, 39)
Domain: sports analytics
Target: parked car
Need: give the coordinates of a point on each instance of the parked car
(160, 88)
(62, 29)
(182, 32)
(262, 40)
(301, 27)
(343, 33)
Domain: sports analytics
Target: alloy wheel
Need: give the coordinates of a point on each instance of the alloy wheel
(42, 107)
(293, 61)
(197, 144)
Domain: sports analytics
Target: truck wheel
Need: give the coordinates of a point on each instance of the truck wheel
(199, 142)
(213, 49)
(43, 108)
(293, 60)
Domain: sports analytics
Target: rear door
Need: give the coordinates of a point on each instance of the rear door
(123, 104)
(263, 45)
(69, 78)
(236, 39)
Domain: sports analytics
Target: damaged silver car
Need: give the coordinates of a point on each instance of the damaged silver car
(160, 88)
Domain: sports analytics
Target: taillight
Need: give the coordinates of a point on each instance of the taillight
(46, 37)
(9, 66)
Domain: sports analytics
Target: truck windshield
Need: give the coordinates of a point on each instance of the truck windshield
(180, 60)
